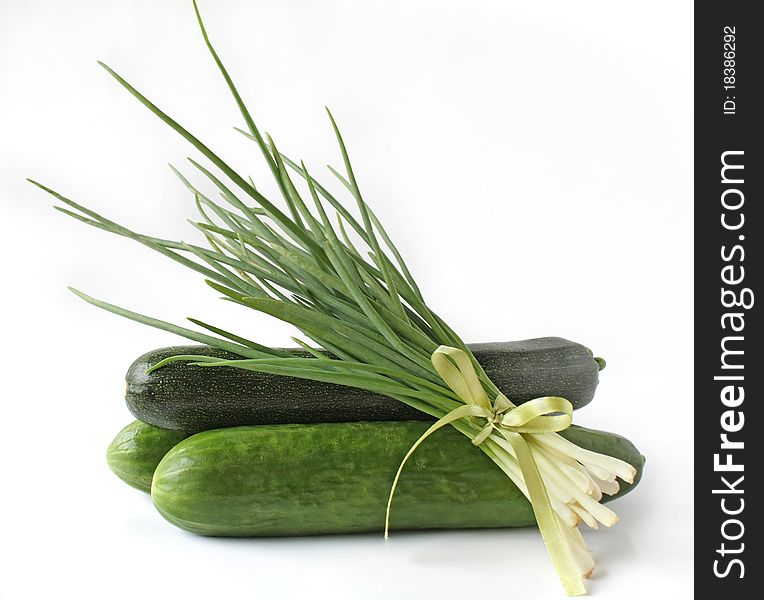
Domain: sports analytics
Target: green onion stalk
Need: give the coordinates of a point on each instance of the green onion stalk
(359, 302)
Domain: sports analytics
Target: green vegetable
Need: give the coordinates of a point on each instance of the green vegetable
(360, 302)
(335, 478)
(136, 451)
(192, 398)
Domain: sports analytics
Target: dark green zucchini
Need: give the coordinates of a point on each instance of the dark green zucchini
(188, 398)
(136, 451)
(321, 478)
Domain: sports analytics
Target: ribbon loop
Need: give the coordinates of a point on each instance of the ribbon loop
(537, 416)
(460, 375)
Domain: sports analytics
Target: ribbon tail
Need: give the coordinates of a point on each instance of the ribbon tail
(468, 410)
(548, 522)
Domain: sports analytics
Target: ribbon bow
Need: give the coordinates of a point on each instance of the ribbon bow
(456, 369)
(547, 414)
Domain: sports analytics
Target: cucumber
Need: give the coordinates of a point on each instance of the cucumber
(188, 398)
(275, 480)
(136, 451)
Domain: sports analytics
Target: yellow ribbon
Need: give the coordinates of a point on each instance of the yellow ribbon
(541, 415)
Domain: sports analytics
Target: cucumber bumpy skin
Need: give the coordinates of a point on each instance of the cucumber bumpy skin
(277, 480)
(190, 398)
(135, 452)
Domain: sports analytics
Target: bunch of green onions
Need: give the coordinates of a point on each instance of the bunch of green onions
(359, 303)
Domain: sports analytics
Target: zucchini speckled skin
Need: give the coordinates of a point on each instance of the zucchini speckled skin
(188, 398)
(135, 452)
(275, 480)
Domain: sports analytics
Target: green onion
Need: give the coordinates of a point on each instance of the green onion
(362, 305)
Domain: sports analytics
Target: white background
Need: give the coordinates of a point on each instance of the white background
(533, 162)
